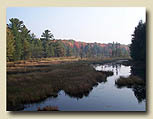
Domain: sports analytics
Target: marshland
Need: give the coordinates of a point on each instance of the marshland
(43, 84)
(34, 81)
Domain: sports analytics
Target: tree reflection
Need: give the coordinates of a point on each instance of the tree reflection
(139, 92)
(138, 70)
(116, 68)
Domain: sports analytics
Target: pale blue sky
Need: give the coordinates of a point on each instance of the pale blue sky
(88, 24)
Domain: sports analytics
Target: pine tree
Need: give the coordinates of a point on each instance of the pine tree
(59, 49)
(46, 37)
(10, 45)
(25, 40)
(51, 49)
(36, 48)
(15, 27)
(138, 46)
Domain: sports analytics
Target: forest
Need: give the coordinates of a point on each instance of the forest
(23, 45)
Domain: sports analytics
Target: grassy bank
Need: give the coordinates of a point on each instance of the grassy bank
(129, 81)
(48, 108)
(39, 65)
(27, 83)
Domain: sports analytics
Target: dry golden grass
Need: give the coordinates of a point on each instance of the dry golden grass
(39, 82)
(48, 108)
(129, 81)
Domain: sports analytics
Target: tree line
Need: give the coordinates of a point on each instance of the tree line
(22, 45)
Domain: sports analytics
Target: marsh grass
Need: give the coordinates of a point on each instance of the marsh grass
(129, 81)
(48, 108)
(41, 81)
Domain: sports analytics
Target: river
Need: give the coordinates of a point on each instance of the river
(106, 96)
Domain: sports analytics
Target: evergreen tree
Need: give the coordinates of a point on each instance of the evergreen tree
(36, 48)
(59, 49)
(46, 37)
(15, 26)
(10, 44)
(138, 46)
(25, 42)
(138, 50)
(51, 49)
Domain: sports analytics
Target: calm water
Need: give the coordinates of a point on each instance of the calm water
(104, 97)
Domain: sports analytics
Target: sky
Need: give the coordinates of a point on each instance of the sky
(87, 24)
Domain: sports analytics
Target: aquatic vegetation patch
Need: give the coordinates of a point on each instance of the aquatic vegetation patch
(48, 108)
(75, 78)
(129, 81)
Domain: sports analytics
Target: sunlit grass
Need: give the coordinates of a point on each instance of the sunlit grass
(39, 82)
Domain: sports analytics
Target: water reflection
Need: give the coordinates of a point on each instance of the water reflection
(140, 93)
(116, 68)
(139, 90)
(78, 96)
(139, 69)
(136, 70)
